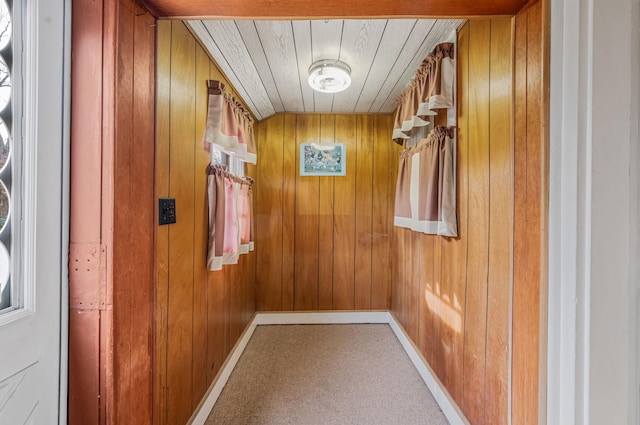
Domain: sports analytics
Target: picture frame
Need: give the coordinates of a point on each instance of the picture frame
(323, 159)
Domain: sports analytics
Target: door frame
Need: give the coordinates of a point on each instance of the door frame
(593, 369)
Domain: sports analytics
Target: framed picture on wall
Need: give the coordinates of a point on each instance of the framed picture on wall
(323, 159)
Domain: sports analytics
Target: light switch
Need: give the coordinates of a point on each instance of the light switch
(167, 210)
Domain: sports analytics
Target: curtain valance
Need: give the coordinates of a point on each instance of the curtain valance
(426, 188)
(230, 216)
(431, 88)
(229, 125)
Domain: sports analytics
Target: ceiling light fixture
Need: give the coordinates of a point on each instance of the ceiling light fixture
(329, 76)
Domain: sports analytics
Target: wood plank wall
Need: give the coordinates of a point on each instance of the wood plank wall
(461, 300)
(323, 243)
(531, 212)
(112, 210)
(199, 314)
(452, 295)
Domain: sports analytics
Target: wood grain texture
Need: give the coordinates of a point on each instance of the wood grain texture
(330, 8)
(268, 61)
(383, 181)
(163, 82)
(478, 242)
(501, 228)
(454, 250)
(529, 214)
(520, 215)
(344, 218)
(325, 40)
(307, 222)
(200, 240)
(325, 222)
(326, 275)
(436, 324)
(360, 40)
(181, 234)
(132, 242)
(111, 321)
(426, 340)
(269, 213)
(463, 317)
(364, 213)
(199, 313)
(290, 171)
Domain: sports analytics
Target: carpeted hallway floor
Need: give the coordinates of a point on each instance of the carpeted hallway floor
(325, 374)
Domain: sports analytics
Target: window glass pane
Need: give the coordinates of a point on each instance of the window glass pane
(4, 206)
(5, 84)
(5, 25)
(5, 287)
(5, 144)
(8, 294)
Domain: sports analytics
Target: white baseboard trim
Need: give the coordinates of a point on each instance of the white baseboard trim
(201, 414)
(322, 317)
(449, 408)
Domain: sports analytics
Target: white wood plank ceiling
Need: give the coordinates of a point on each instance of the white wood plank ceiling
(268, 61)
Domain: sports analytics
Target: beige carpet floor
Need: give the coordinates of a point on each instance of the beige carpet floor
(325, 374)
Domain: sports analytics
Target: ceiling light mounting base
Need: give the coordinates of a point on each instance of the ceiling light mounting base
(329, 76)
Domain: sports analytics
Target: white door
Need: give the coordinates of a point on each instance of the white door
(33, 254)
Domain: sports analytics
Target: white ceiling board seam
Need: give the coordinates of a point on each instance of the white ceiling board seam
(394, 37)
(295, 50)
(202, 32)
(409, 68)
(259, 59)
(371, 66)
(392, 66)
(239, 83)
(302, 35)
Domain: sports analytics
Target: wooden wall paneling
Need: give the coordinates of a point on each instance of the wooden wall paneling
(306, 235)
(290, 170)
(397, 281)
(233, 275)
(201, 230)
(520, 325)
(344, 219)
(414, 274)
(181, 234)
(364, 212)
(122, 243)
(384, 164)
(501, 223)
(326, 218)
(143, 169)
(133, 242)
(163, 83)
(436, 323)
(535, 195)
(425, 310)
(476, 308)
(217, 300)
(217, 322)
(84, 355)
(454, 251)
(269, 213)
(528, 216)
(406, 273)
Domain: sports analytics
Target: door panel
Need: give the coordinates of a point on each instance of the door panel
(30, 334)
